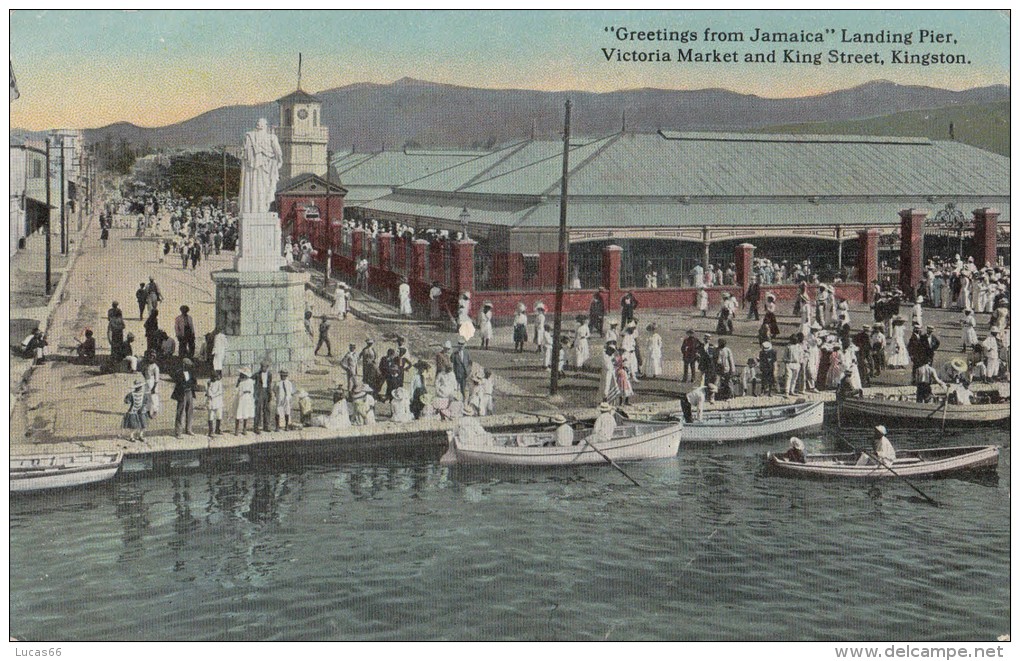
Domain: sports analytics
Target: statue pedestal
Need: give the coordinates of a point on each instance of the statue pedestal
(259, 247)
(262, 315)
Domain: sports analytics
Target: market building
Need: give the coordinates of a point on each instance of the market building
(858, 207)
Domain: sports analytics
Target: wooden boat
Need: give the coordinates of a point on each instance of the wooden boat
(735, 425)
(929, 462)
(36, 472)
(898, 413)
(632, 441)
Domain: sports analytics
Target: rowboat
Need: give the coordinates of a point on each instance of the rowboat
(632, 441)
(750, 424)
(897, 413)
(930, 462)
(35, 472)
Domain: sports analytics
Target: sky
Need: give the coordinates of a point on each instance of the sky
(85, 69)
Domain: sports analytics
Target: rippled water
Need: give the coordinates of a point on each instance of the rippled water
(708, 549)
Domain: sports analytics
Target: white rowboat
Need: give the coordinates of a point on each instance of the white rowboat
(632, 441)
(736, 425)
(929, 462)
(56, 471)
(897, 413)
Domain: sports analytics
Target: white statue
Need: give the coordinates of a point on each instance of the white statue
(260, 169)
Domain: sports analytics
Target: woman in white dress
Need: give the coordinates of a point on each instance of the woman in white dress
(340, 301)
(245, 400)
(703, 301)
(338, 418)
(152, 385)
(970, 338)
(581, 349)
(654, 351)
(539, 325)
(896, 347)
(404, 292)
(465, 326)
(485, 324)
(401, 406)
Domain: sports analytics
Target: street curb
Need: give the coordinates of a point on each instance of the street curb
(51, 308)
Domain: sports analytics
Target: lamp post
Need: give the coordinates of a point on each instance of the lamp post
(464, 217)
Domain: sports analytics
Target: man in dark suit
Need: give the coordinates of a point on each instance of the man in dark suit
(461, 366)
(597, 314)
(184, 394)
(263, 395)
(752, 298)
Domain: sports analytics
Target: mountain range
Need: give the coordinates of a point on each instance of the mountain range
(369, 116)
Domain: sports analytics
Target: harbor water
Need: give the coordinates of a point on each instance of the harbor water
(400, 548)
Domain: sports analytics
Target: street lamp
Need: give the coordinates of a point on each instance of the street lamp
(464, 217)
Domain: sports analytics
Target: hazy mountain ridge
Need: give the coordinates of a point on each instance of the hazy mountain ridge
(369, 116)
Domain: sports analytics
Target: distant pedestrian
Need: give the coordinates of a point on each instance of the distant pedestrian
(349, 365)
(185, 386)
(184, 328)
(285, 394)
(404, 292)
(142, 296)
(245, 410)
(153, 294)
(324, 337)
(263, 395)
(461, 366)
(214, 402)
(134, 418)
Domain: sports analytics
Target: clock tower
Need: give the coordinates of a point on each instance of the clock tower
(302, 136)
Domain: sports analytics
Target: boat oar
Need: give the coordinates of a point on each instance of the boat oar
(931, 501)
(611, 462)
(945, 411)
(593, 447)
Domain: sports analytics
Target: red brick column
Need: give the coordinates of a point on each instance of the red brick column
(612, 255)
(418, 250)
(911, 247)
(744, 256)
(548, 264)
(386, 252)
(463, 266)
(357, 244)
(437, 267)
(986, 242)
(867, 261)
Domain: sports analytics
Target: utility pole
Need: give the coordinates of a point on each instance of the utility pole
(224, 179)
(49, 215)
(63, 200)
(561, 267)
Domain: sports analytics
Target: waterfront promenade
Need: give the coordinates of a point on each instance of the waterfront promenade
(62, 404)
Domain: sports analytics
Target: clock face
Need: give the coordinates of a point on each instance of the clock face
(302, 114)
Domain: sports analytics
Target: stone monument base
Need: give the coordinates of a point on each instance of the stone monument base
(262, 315)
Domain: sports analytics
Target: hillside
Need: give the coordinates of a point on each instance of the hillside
(368, 116)
(984, 125)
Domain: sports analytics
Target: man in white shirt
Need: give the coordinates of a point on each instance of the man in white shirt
(605, 424)
(564, 432)
(793, 356)
(285, 391)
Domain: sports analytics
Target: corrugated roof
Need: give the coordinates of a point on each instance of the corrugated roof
(792, 137)
(395, 168)
(733, 164)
